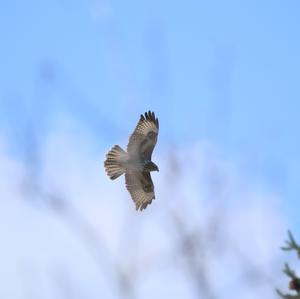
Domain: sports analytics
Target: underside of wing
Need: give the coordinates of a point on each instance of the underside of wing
(140, 187)
(144, 138)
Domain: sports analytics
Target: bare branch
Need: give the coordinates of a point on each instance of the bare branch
(291, 244)
(287, 296)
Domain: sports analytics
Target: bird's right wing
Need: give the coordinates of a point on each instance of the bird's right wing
(143, 139)
(141, 188)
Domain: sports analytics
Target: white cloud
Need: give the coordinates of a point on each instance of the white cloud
(42, 240)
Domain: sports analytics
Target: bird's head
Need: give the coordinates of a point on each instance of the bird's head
(150, 166)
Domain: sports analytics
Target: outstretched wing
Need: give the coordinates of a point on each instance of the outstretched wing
(140, 186)
(143, 139)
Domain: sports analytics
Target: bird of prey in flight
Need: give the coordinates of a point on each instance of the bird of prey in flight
(136, 162)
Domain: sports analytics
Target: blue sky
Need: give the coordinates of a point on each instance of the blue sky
(222, 76)
(225, 71)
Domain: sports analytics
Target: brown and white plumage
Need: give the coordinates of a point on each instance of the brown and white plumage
(143, 139)
(136, 162)
(141, 188)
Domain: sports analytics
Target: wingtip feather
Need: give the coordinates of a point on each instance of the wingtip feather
(150, 115)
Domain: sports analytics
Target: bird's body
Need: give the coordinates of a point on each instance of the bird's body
(136, 162)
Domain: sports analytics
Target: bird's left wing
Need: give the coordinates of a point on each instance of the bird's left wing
(141, 188)
(143, 139)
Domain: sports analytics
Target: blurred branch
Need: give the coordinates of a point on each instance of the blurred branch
(287, 296)
(93, 242)
(294, 283)
(290, 273)
(291, 244)
(200, 247)
(73, 219)
(189, 244)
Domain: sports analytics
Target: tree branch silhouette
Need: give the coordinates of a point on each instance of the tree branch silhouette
(294, 284)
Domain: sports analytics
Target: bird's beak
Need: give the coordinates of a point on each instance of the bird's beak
(157, 169)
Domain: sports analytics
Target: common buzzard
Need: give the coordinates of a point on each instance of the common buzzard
(136, 162)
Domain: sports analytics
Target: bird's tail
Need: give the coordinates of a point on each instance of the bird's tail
(114, 162)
